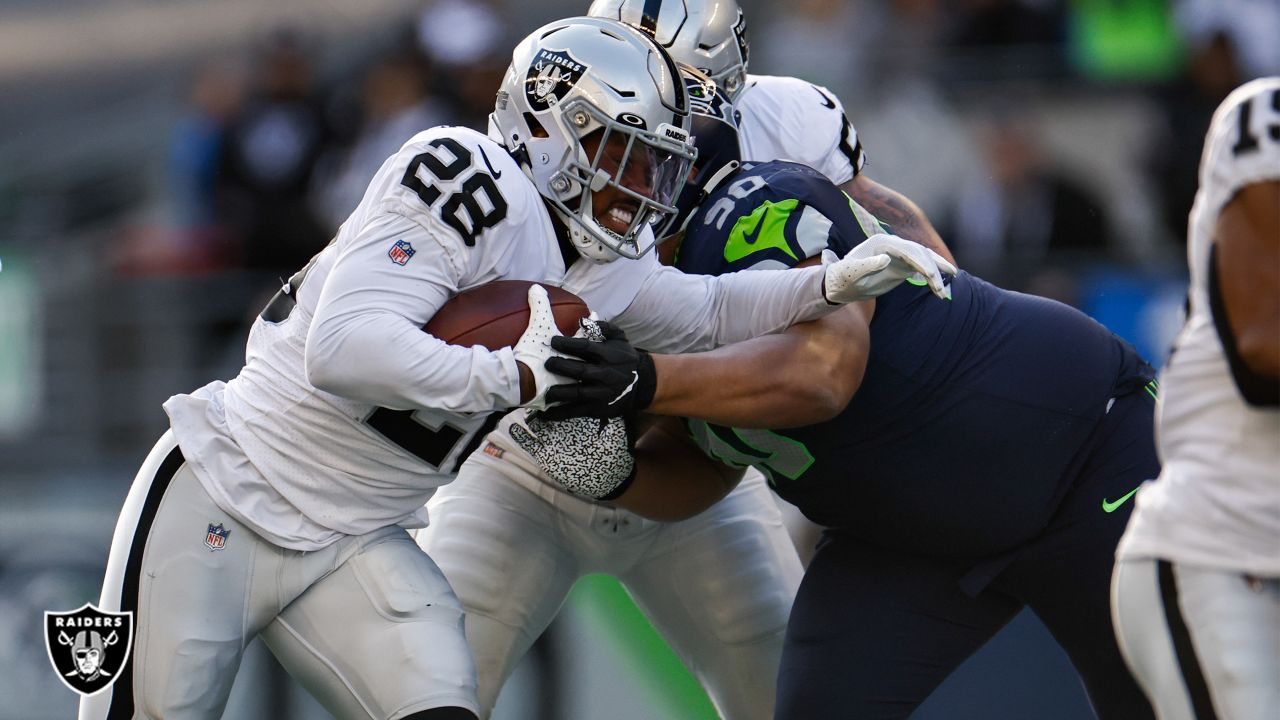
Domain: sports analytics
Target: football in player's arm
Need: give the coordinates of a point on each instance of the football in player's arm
(503, 530)
(346, 417)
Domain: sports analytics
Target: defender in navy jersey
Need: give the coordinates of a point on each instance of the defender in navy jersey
(967, 457)
(994, 390)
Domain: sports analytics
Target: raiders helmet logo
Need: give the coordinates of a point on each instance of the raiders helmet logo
(88, 647)
(740, 34)
(552, 74)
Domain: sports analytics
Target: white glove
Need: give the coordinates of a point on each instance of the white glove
(588, 457)
(879, 264)
(534, 346)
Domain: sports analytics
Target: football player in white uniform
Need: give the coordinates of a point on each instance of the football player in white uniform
(783, 118)
(513, 550)
(278, 502)
(1196, 591)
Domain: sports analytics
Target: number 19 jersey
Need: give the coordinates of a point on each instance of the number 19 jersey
(1217, 501)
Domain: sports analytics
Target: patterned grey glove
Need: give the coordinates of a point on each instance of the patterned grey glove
(588, 457)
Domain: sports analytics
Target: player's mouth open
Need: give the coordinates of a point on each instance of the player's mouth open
(619, 217)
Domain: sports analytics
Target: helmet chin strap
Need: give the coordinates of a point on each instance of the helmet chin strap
(712, 183)
(588, 246)
(718, 177)
(583, 226)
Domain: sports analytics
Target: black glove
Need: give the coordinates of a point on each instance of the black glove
(613, 378)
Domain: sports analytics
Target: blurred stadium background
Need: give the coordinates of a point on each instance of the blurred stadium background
(1054, 143)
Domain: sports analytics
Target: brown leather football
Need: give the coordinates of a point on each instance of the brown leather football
(495, 314)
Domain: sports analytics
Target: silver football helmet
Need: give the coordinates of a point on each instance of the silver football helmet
(710, 35)
(594, 107)
(714, 125)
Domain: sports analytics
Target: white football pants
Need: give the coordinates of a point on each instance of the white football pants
(718, 587)
(1204, 643)
(368, 624)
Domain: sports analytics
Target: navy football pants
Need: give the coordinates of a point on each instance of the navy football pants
(874, 631)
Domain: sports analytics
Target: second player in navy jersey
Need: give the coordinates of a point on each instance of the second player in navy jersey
(968, 457)
(993, 390)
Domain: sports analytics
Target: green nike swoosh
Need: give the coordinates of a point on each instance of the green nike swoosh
(764, 228)
(1111, 506)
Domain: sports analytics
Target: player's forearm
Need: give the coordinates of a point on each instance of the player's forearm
(799, 377)
(674, 479)
(715, 311)
(903, 217)
(1247, 237)
(1259, 341)
(1258, 348)
(384, 360)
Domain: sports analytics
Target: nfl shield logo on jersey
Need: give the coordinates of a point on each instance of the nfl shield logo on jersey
(87, 647)
(216, 537)
(401, 252)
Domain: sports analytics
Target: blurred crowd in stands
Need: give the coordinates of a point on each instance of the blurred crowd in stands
(956, 103)
(271, 157)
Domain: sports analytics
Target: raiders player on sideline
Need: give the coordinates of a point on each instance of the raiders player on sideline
(1197, 582)
(955, 483)
(782, 117)
(278, 502)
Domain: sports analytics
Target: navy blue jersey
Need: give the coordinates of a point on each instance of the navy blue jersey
(974, 413)
(771, 215)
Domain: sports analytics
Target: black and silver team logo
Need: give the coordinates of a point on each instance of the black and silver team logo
(552, 74)
(740, 34)
(88, 646)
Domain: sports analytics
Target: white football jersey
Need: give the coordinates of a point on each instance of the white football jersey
(782, 118)
(786, 118)
(1217, 500)
(351, 416)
